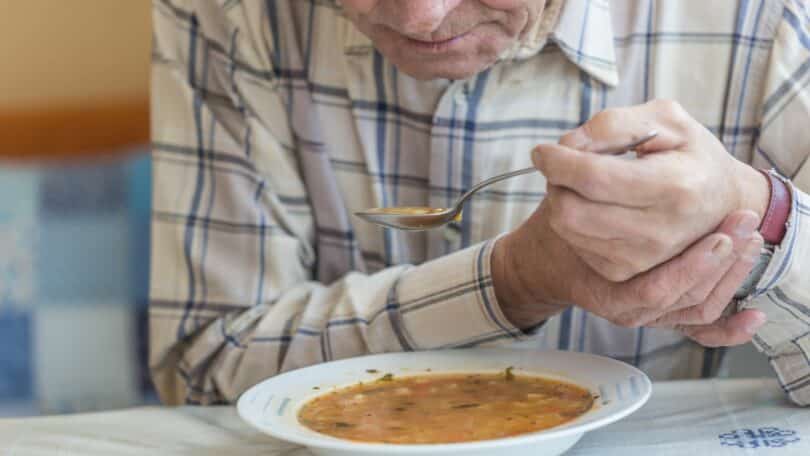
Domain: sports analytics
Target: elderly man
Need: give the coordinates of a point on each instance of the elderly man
(274, 121)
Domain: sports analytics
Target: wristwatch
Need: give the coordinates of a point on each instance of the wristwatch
(772, 228)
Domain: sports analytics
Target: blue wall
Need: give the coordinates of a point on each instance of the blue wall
(73, 286)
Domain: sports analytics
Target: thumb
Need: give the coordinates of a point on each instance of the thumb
(735, 329)
(740, 225)
(616, 126)
(664, 285)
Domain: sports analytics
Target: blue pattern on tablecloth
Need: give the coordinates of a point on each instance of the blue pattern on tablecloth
(764, 437)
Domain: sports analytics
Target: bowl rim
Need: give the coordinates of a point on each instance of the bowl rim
(570, 429)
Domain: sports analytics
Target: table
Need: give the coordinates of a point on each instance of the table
(699, 417)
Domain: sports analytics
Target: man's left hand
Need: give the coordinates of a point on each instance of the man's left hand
(624, 217)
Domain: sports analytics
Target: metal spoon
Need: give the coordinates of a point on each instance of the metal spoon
(425, 218)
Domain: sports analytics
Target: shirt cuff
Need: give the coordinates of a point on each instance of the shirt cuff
(793, 370)
(783, 284)
(450, 302)
(781, 266)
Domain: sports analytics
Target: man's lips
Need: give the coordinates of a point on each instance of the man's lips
(433, 42)
(437, 45)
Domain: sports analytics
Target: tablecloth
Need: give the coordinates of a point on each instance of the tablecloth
(699, 417)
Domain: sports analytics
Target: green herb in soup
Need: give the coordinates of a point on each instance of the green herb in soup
(445, 408)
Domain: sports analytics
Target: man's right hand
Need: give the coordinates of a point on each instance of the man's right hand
(536, 275)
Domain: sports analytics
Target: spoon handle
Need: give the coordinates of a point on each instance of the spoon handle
(607, 151)
(492, 180)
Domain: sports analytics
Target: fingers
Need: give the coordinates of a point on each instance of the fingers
(572, 214)
(625, 237)
(712, 307)
(658, 290)
(735, 329)
(614, 179)
(599, 178)
(604, 236)
(741, 227)
(616, 126)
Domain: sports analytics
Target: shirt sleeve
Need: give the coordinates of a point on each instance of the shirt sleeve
(783, 292)
(232, 295)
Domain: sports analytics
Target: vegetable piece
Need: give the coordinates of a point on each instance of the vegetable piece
(508, 375)
(463, 406)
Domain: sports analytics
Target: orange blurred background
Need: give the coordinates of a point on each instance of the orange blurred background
(74, 205)
(75, 79)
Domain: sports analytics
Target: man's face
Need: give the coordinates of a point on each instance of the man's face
(451, 39)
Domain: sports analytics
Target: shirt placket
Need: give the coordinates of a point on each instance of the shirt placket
(444, 173)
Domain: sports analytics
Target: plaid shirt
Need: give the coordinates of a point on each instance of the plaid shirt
(273, 121)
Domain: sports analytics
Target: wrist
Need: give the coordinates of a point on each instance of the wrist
(754, 189)
(509, 290)
(520, 297)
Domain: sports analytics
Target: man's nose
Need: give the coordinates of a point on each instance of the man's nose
(420, 17)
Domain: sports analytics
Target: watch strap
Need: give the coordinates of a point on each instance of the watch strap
(773, 225)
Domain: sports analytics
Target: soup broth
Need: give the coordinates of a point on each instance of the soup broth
(445, 408)
(407, 210)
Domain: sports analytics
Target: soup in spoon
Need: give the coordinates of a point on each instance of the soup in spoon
(406, 210)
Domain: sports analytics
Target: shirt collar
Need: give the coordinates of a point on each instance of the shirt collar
(585, 34)
(583, 31)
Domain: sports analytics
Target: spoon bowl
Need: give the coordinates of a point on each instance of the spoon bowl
(425, 218)
(409, 218)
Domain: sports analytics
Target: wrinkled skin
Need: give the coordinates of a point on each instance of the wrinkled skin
(673, 260)
(450, 39)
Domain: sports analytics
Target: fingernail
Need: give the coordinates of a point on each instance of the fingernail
(746, 225)
(753, 248)
(758, 320)
(722, 248)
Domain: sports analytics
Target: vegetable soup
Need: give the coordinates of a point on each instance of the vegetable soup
(445, 408)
